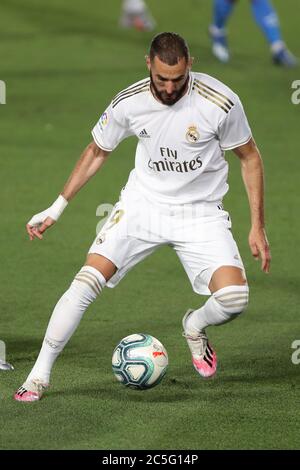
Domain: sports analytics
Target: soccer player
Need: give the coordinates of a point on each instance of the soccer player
(184, 121)
(266, 18)
(135, 14)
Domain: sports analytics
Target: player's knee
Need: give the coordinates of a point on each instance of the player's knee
(232, 300)
(87, 284)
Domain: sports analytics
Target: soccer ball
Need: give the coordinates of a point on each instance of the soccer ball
(140, 361)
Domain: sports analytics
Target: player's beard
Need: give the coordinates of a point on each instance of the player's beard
(166, 98)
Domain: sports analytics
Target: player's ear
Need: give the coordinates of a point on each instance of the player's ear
(148, 62)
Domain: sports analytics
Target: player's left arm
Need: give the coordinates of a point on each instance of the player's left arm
(253, 177)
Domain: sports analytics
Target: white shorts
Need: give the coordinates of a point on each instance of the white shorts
(199, 233)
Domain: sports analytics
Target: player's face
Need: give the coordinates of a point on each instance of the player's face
(169, 82)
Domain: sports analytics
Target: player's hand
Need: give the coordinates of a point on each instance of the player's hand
(40, 222)
(259, 246)
(38, 225)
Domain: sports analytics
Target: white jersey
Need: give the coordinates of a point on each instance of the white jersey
(180, 156)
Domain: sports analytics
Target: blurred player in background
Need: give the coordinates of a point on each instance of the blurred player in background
(3, 364)
(135, 14)
(184, 122)
(266, 18)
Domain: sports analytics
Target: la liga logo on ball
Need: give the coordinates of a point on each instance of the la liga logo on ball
(140, 361)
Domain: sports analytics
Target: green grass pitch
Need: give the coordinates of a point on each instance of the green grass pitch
(62, 63)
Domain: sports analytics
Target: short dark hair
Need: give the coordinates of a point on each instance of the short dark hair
(169, 48)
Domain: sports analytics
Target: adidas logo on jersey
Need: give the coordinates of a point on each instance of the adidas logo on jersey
(144, 134)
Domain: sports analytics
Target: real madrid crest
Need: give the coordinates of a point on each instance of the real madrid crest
(192, 134)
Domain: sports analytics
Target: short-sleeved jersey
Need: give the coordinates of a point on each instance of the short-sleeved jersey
(181, 148)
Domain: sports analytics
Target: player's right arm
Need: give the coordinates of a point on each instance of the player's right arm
(91, 160)
(110, 130)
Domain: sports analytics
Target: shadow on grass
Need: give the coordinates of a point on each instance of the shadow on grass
(20, 350)
(185, 385)
(258, 370)
(170, 391)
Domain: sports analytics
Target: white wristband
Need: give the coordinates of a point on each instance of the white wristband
(57, 207)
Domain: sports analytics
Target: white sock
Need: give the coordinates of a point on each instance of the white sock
(134, 7)
(223, 306)
(87, 284)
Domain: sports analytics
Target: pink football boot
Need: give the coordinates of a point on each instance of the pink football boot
(203, 356)
(30, 391)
